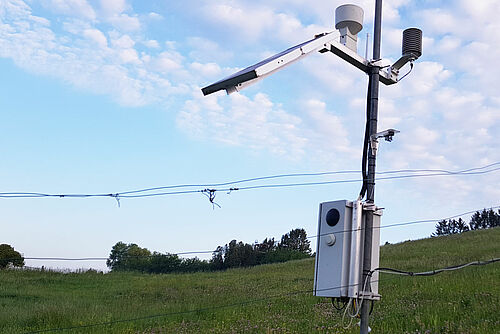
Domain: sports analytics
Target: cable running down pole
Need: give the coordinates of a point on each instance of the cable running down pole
(370, 186)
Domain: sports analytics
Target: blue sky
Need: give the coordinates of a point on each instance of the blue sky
(104, 96)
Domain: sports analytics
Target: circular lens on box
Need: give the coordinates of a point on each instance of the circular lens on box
(332, 217)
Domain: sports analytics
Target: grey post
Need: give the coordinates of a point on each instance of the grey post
(370, 196)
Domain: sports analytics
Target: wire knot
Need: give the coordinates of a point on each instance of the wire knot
(117, 197)
(210, 193)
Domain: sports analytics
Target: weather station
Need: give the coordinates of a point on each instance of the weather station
(348, 231)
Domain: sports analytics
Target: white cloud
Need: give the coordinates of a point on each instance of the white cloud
(113, 7)
(40, 20)
(257, 124)
(448, 45)
(152, 44)
(484, 10)
(123, 42)
(112, 68)
(447, 109)
(437, 99)
(129, 56)
(97, 36)
(207, 69)
(205, 50)
(167, 61)
(155, 16)
(327, 129)
(78, 8)
(249, 22)
(125, 22)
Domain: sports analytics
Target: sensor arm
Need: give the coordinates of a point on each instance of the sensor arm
(257, 72)
(322, 43)
(385, 77)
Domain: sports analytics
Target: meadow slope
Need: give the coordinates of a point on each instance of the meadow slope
(273, 298)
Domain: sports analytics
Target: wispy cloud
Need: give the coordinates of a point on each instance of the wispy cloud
(447, 108)
(87, 55)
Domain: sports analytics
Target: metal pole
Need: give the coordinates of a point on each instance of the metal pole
(370, 196)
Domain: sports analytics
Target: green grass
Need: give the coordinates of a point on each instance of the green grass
(464, 301)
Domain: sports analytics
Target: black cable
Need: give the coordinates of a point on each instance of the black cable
(439, 170)
(354, 180)
(366, 141)
(336, 303)
(404, 76)
(137, 193)
(244, 180)
(435, 271)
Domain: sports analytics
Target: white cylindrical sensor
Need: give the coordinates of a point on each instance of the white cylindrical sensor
(349, 16)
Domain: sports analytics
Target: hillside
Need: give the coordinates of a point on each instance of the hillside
(239, 300)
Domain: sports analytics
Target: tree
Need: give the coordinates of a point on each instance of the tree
(451, 226)
(263, 249)
(217, 261)
(296, 240)
(9, 257)
(442, 228)
(266, 245)
(479, 220)
(164, 263)
(461, 226)
(194, 265)
(484, 219)
(129, 257)
(238, 254)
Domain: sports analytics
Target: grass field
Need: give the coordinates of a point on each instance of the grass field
(239, 300)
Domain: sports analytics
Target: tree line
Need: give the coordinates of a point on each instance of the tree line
(131, 257)
(479, 220)
(293, 245)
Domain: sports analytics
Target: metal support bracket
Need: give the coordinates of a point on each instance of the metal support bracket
(387, 135)
(369, 295)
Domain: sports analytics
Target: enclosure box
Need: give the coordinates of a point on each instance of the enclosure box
(340, 249)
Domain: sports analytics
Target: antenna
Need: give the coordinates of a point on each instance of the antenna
(367, 44)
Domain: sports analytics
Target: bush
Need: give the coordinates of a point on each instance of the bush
(9, 257)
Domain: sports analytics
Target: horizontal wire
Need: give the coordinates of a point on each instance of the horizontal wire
(310, 237)
(359, 180)
(277, 176)
(137, 193)
(435, 271)
(255, 300)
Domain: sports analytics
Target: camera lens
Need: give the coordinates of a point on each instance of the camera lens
(332, 217)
